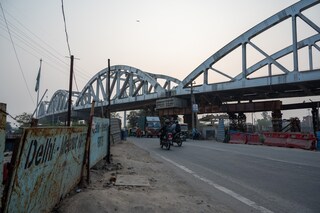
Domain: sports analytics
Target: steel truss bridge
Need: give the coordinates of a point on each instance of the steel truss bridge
(132, 88)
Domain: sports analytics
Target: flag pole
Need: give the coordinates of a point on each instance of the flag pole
(38, 86)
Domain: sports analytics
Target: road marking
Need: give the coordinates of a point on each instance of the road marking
(257, 156)
(221, 188)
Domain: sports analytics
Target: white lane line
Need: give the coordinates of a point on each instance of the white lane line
(221, 188)
(258, 156)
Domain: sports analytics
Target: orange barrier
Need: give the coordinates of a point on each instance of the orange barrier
(238, 138)
(292, 139)
(254, 139)
(275, 139)
(301, 140)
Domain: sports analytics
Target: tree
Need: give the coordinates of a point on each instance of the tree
(133, 118)
(23, 119)
(8, 127)
(265, 122)
(115, 115)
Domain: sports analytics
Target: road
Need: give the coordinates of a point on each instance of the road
(246, 178)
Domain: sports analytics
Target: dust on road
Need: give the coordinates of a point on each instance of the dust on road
(166, 191)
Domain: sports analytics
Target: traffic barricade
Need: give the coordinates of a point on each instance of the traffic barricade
(254, 139)
(301, 140)
(238, 138)
(275, 139)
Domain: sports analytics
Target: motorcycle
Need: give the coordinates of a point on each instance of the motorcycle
(177, 138)
(166, 142)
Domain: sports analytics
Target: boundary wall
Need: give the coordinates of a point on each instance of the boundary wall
(49, 162)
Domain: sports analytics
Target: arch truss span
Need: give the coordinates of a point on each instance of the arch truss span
(281, 66)
(57, 104)
(127, 84)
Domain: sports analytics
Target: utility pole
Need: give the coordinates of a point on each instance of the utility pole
(70, 92)
(193, 108)
(109, 114)
(192, 113)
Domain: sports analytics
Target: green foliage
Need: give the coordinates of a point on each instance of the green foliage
(132, 118)
(23, 119)
(8, 127)
(265, 122)
(115, 115)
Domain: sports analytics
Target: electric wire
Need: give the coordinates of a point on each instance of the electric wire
(30, 44)
(65, 27)
(67, 39)
(19, 35)
(16, 54)
(79, 69)
(37, 57)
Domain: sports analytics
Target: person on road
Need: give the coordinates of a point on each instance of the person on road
(177, 127)
(164, 129)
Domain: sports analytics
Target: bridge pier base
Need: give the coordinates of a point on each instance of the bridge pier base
(187, 118)
(276, 120)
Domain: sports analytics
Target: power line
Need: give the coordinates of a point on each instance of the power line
(80, 70)
(25, 39)
(36, 47)
(65, 27)
(16, 54)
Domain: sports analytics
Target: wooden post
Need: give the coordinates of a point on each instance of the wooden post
(70, 92)
(86, 161)
(109, 114)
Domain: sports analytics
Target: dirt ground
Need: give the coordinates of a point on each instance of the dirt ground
(166, 193)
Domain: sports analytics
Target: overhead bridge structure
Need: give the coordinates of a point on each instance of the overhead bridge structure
(282, 77)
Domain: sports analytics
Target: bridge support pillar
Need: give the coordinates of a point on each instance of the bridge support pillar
(276, 120)
(187, 118)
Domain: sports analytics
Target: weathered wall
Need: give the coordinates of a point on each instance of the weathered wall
(99, 140)
(2, 142)
(115, 130)
(49, 163)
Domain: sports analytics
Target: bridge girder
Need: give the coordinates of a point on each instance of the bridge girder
(129, 85)
(245, 39)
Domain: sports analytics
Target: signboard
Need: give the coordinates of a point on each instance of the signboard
(99, 140)
(48, 165)
(171, 103)
(195, 108)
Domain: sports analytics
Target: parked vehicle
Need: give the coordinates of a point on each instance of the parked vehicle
(149, 125)
(184, 131)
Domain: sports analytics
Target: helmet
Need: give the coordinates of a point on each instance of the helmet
(167, 121)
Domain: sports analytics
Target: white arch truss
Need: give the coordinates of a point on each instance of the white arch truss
(245, 40)
(127, 84)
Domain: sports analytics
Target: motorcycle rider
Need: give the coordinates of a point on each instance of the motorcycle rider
(176, 129)
(164, 129)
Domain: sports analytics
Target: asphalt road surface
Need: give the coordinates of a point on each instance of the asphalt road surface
(246, 178)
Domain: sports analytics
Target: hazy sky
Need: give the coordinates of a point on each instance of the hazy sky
(170, 37)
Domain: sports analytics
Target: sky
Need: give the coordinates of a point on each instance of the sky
(170, 37)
